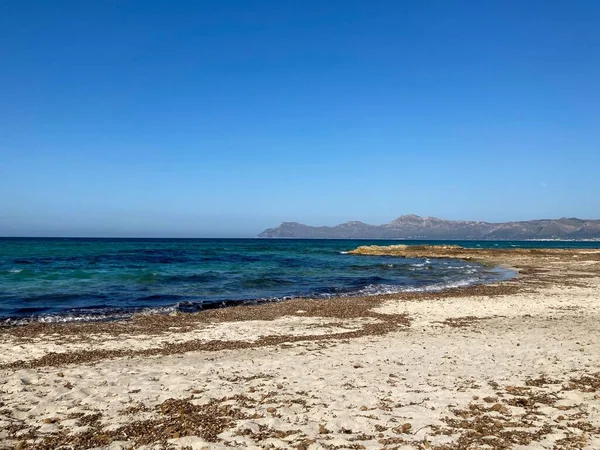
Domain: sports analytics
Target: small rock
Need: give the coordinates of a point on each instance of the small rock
(516, 390)
(500, 408)
(271, 410)
(323, 430)
(364, 408)
(404, 429)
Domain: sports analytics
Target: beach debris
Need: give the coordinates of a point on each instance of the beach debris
(323, 429)
(403, 429)
(500, 408)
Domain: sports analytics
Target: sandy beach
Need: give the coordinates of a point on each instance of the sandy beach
(513, 365)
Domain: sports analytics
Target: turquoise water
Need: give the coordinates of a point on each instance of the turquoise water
(98, 279)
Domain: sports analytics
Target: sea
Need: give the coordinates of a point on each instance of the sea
(77, 279)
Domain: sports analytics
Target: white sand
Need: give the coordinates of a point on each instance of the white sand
(353, 393)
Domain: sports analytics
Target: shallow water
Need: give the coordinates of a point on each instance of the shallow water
(96, 279)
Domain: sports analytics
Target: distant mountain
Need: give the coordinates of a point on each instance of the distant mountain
(416, 227)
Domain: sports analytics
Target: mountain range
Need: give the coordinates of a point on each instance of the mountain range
(416, 227)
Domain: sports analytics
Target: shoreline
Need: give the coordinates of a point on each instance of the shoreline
(502, 273)
(175, 278)
(53, 371)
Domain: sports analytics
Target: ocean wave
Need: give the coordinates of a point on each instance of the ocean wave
(100, 314)
(425, 263)
(372, 267)
(265, 282)
(378, 289)
(63, 318)
(193, 278)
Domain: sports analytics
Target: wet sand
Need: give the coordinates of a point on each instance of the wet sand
(510, 365)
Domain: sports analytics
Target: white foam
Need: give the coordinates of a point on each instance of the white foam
(378, 289)
(159, 310)
(79, 318)
(67, 318)
(15, 270)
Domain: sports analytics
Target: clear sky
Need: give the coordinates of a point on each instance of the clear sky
(222, 118)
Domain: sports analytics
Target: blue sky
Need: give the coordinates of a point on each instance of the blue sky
(222, 118)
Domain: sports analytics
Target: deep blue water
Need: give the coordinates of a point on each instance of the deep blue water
(92, 279)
